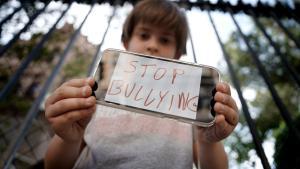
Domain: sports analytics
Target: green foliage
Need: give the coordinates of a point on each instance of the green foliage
(239, 144)
(77, 67)
(15, 105)
(267, 115)
(21, 97)
(287, 153)
(22, 48)
(18, 102)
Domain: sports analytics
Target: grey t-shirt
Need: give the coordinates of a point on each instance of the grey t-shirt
(117, 139)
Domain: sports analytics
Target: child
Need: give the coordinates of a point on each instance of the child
(129, 140)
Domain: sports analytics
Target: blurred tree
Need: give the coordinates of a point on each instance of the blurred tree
(287, 146)
(20, 98)
(34, 74)
(76, 65)
(263, 109)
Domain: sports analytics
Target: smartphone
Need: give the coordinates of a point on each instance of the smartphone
(156, 86)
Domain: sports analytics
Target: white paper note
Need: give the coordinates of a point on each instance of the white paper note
(156, 85)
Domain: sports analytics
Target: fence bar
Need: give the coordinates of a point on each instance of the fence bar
(262, 9)
(285, 62)
(282, 108)
(92, 65)
(4, 48)
(287, 32)
(31, 56)
(8, 17)
(193, 48)
(256, 139)
(195, 135)
(32, 113)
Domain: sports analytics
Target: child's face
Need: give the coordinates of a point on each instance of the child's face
(150, 40)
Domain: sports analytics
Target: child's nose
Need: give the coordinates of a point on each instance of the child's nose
(152, 46)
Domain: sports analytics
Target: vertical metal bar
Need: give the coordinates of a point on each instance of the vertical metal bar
(32, 113)
(286, 31)
(194, 129)
(16, 37)
(256, 139)
(8, 17)
(282, 108)
(31, 56)
(285, 62)
(30, 147)
(3, 137)
(193, 48)
(93, 64)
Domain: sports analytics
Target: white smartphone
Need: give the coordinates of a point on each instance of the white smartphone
(156, 86)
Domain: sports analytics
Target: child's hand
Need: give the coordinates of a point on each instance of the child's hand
(227, 116)
(70, 108)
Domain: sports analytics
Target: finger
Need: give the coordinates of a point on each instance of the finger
(223, 129)
(225, 99)
(223, 87)
(72, 116)
(64, 92)
(80, 82)
(230, 115)
(70, 104)
(72, 83)
(83, 122)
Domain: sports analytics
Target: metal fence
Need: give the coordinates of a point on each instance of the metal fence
(18, 137)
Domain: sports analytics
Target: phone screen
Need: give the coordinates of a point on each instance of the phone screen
(153, 85)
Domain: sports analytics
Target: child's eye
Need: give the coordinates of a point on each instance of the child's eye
(164, 40)
(144, 35)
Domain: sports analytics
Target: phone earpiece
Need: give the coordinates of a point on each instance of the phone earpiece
(213, 92)
(212, 102)
(95, 87)
(212, 105)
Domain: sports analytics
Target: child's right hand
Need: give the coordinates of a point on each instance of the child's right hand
(70, 108)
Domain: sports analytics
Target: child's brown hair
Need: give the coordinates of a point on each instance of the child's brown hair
(158, 13)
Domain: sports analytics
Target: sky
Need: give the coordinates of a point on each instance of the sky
(203, 36)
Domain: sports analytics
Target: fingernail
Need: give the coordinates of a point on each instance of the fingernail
(88, 80)
(224, 87)
(223, 99)
(90, 101)
(222, 108)
(84, 92)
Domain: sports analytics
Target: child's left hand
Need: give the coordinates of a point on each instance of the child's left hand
(227, 116)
